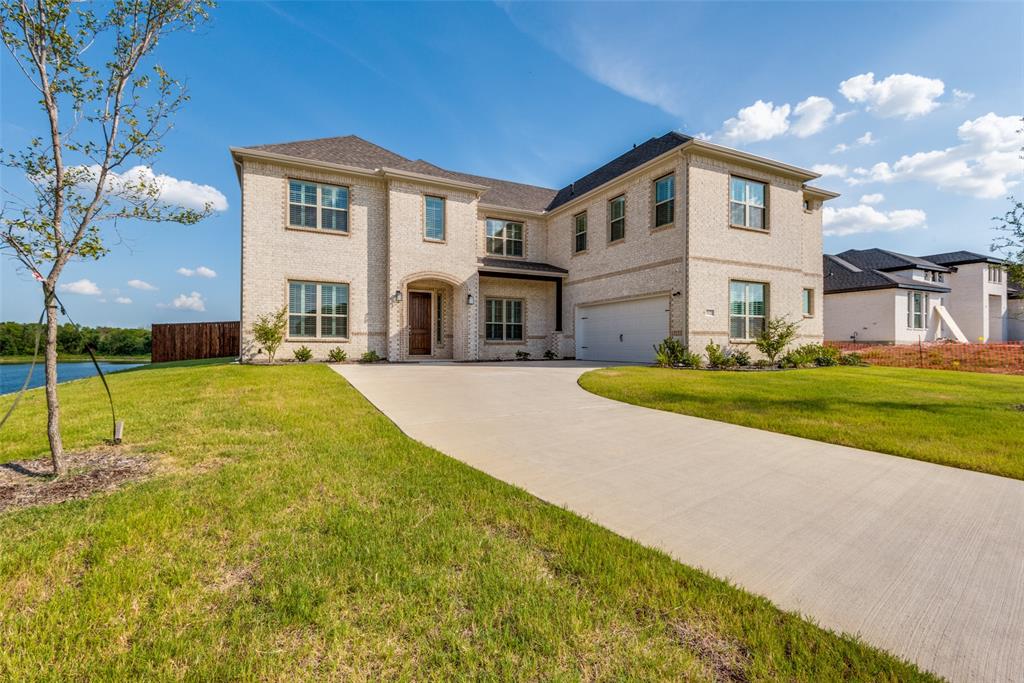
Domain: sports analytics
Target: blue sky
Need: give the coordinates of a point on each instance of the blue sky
(543, 93)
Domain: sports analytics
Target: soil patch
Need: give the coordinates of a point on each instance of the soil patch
(28, 483)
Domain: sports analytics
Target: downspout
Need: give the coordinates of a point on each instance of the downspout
(241, 259)
(686, 252)
(387, 264)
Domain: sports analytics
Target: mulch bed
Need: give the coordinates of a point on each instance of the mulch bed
(29, 483)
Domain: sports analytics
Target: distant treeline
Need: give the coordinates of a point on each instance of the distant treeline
(18, 339)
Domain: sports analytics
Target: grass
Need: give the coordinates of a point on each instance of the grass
(75, 358)
(968, 420)
(293, 532)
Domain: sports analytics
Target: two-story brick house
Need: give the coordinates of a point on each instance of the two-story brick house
(370, 250)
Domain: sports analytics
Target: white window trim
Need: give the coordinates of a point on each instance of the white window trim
(747, 316)
(505, 240)
(747, 204)
(923, 297)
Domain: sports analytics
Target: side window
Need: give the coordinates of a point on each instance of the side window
(808, 303)
(617, 219)
(433, 218)
(664, 200)
(579, 242)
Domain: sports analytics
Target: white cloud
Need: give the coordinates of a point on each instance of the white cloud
(863, 141)
(138, 180)
(961, 97)
(187, 272)
(141, 284)
(903, 95)
(760, 121)
(826, 170)
(83, 286)
(875, 198)
(986, 164)
(843, 116)
(811, 116)
(201, 271)
(858, 219)
(187, 302)
(122, 300)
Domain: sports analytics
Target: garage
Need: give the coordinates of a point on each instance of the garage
(621, 331)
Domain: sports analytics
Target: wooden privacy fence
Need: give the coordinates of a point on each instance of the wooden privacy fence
(998, 358)
(189, 341)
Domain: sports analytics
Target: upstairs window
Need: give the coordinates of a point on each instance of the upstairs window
(995, 273)
(747, 203)
(323, 207)
(579, 232)
(433, 218)
(664, 200)
(917, 305)
(617, 219)
(808, 303)
(747, 309)
(504, 238)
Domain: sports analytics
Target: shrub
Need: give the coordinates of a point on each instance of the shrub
(303, 354)
(828, 356)
(337, 355)
(776, 336)
(742, 357)
(522, 355)
(812, 354)
(550, 355)
(690, 360)
(369, 357)
(669, 353)
(763, 363)
(852, 358)
(717, 357)
(269, 329)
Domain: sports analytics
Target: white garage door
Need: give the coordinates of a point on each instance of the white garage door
(621, 331)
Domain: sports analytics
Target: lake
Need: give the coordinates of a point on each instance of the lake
(12, 376)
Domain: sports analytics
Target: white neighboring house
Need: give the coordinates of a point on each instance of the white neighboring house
(875, 295)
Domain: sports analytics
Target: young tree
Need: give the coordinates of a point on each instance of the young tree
(268, 331)
(777, 334)
(103, 104)
(1010, 241)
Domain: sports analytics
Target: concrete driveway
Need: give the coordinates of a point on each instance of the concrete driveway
(922, 560)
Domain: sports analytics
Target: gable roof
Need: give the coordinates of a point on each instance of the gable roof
(844, 275)
(960, 258)
(620, 165)
(884, 260)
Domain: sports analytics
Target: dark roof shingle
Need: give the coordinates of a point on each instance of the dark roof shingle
(882, 259)
(843, 275)
(959, 258)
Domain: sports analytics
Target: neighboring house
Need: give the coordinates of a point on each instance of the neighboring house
(1015, 311)
(874, 295)
(370, 250)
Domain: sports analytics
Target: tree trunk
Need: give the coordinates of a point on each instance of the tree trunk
(52, 404)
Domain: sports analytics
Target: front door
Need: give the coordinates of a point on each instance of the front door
(419, 323)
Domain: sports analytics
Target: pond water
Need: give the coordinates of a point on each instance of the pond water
(12, 376)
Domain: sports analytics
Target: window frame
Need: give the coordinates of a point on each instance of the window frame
(504, 324)
(671, 201)
(505, 240)
(319, 207)
(319, 314)
(576, 232)
(912, 314)
(808, 311)
(995, 274)
(613, 221)
(766, 289)
(766, 227)
(444, 219)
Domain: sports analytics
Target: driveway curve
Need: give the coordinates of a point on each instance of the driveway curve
(922, 560)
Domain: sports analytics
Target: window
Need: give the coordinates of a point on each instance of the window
(746, 309)
(433, 218)
(808, 303)
(617, 219)
(995, 273)
(579, 232)
(439, 321)
(746, 203)
(504, 238)
(917, 304)
(807, 205)
(664, 200)
(324, 207)
(504, 320)
(308, 319)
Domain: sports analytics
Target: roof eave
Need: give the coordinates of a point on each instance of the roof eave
(745, 157)
(436, 180)
(893, 285)
(820, 192)
(287, 159)
(497, 208)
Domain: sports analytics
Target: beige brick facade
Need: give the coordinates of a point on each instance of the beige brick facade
(385, 255)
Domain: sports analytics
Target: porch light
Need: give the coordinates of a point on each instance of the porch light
(470, 299)
(397, 296)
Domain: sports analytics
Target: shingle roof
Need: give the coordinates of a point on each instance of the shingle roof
(882, 259)
(625, 163)
(842, 275)
(515, 264)
(959, 258)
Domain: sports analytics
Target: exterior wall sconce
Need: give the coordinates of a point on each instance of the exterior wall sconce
(397, 296)
(470, 299)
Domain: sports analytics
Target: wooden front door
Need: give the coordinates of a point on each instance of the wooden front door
(419, 323)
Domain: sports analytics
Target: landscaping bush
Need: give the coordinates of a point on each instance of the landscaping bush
(370, 356)
(303, 354)
(742, 357)
(763, 363)
(812, 354)
(550, 355)
(337, 355)
(717, 357)
(852, 358)
(690, 360)
(269, 329)
(522, 355)
(669, 353)
(778, 333)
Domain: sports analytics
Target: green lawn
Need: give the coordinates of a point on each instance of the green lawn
(969, 420)
(74, 358)
(294, 532)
